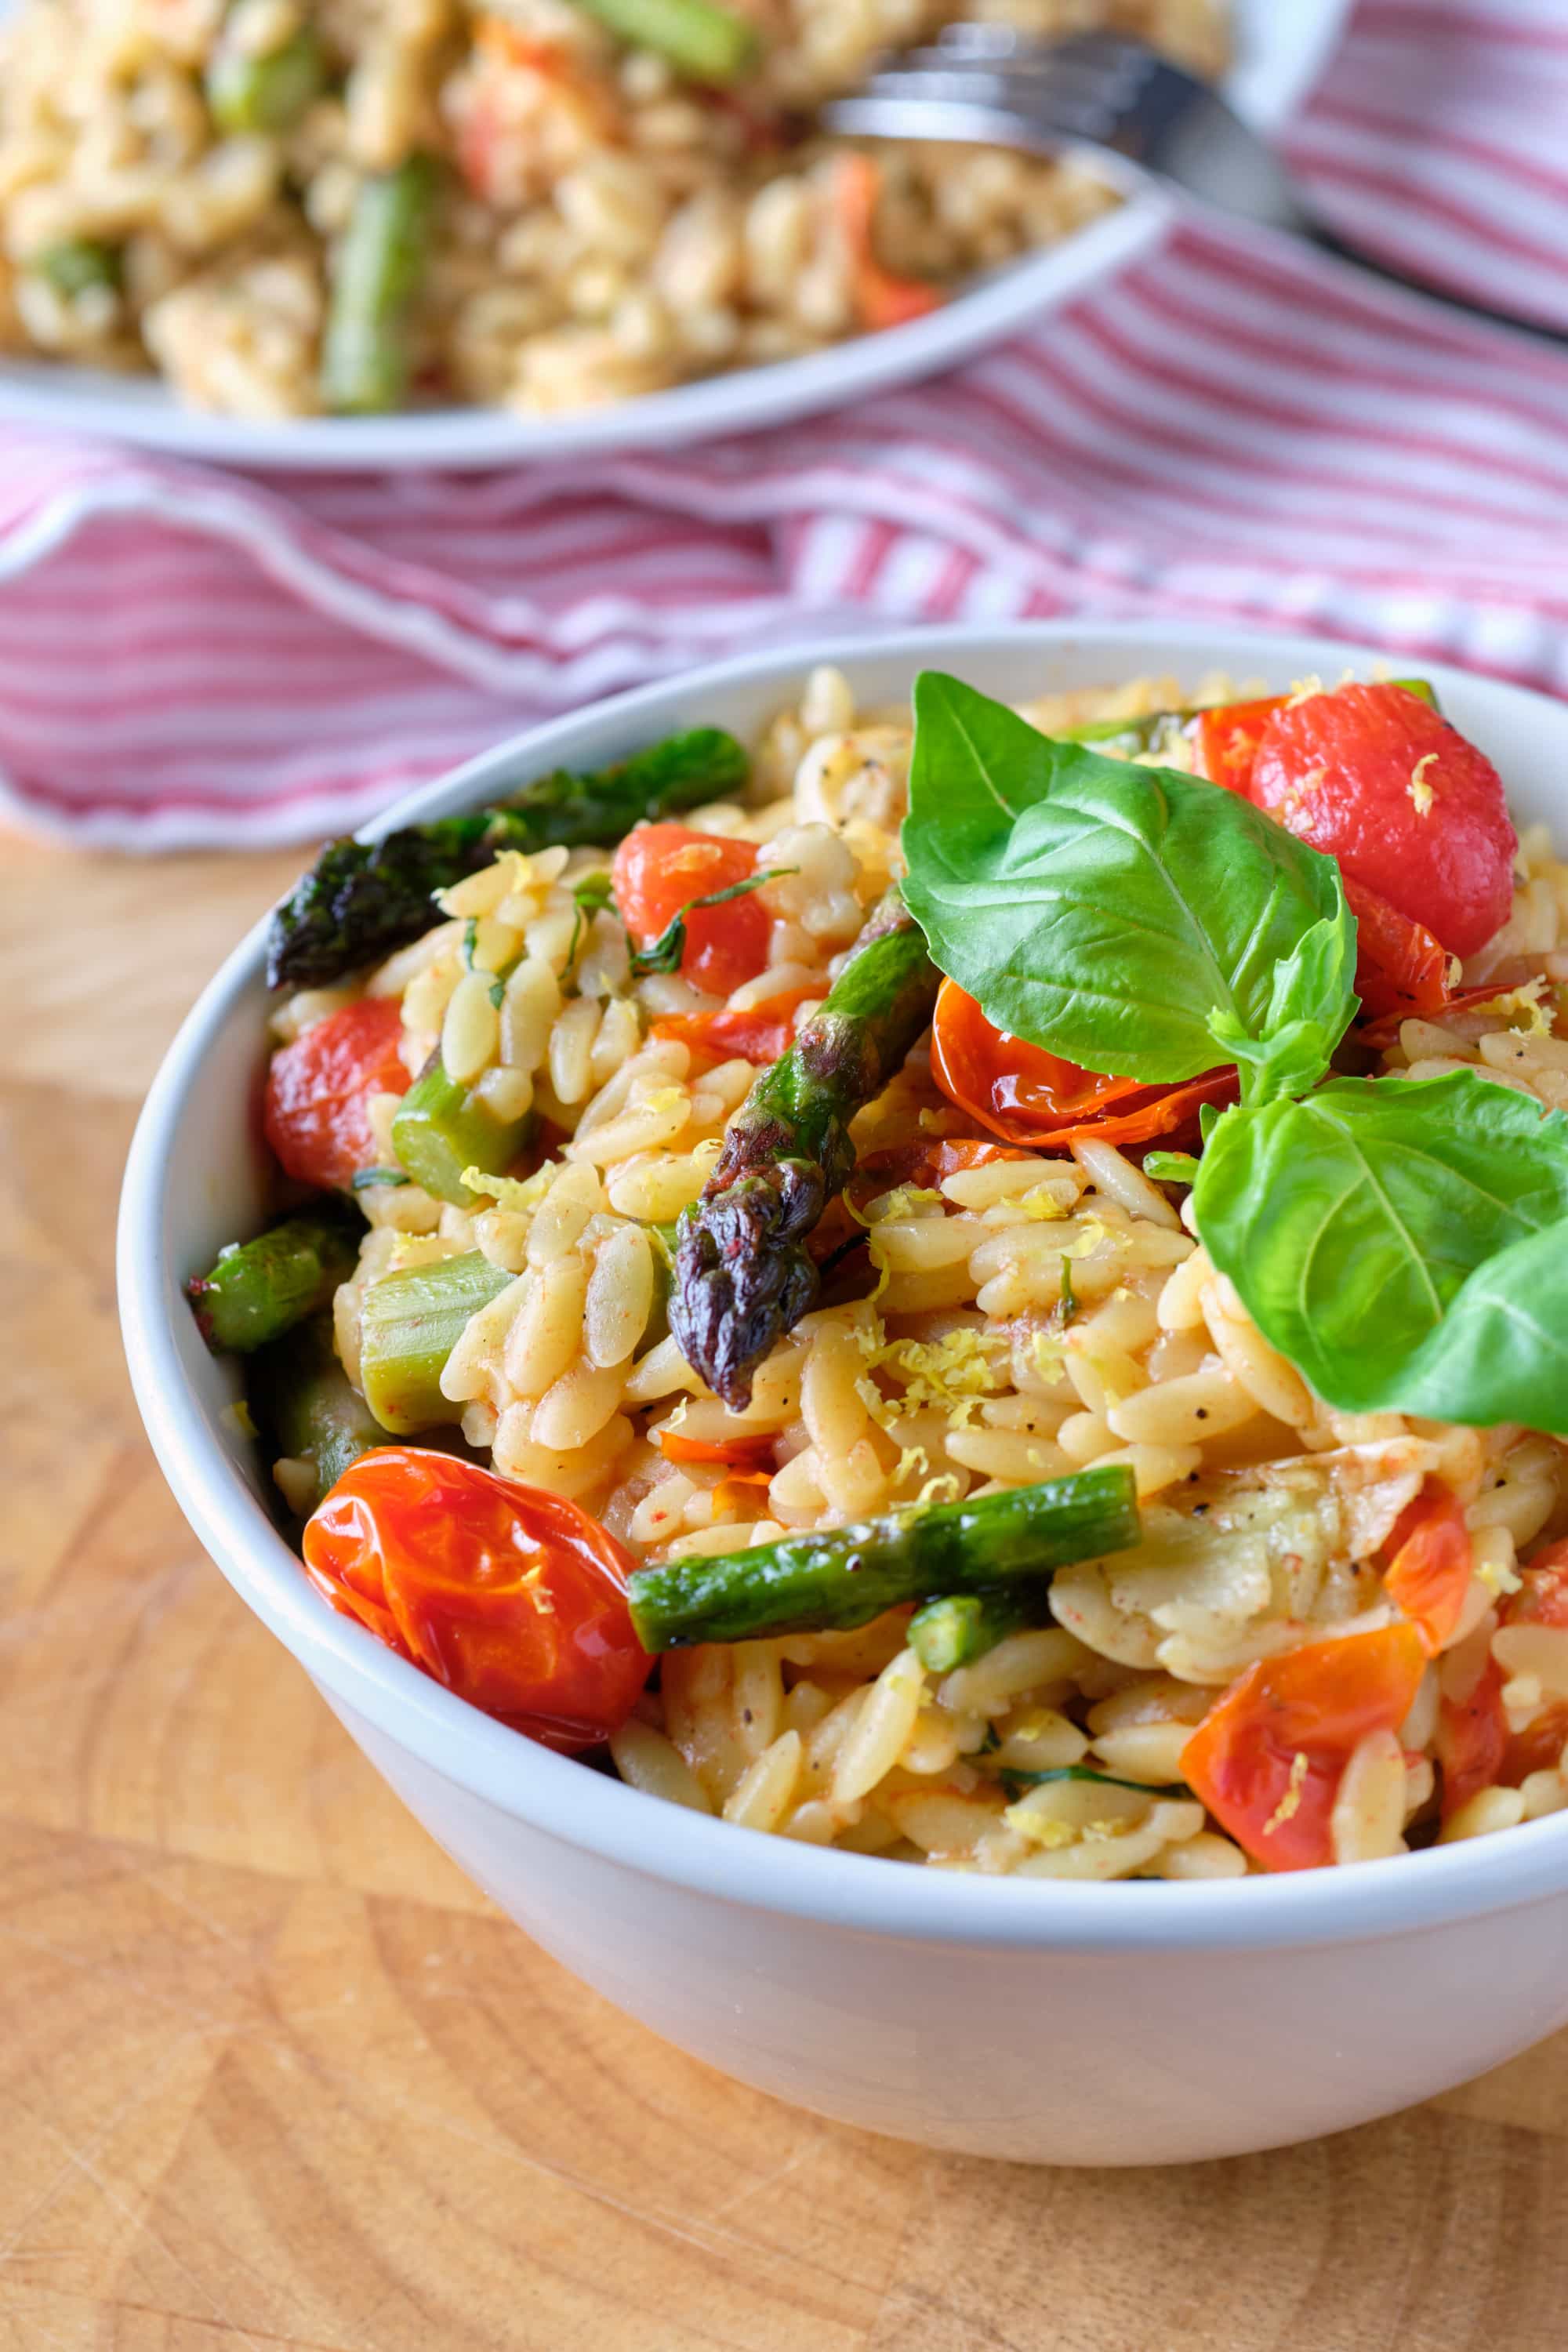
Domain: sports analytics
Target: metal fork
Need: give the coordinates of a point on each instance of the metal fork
(1138, 113)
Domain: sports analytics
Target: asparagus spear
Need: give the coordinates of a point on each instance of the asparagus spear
(409, 1323)
(962, 1626)
(73, 265)
(380, 268)
(844, 1577)
(361, 899)
(743, 1276)
(302, 1401)
(1159, 730)
(699, 41)
(266, 93)
(440, 1129)
(260, 1289)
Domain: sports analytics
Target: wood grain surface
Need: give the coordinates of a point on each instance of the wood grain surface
(273, 2075)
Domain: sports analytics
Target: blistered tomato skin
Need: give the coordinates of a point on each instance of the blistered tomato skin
(1378, 779)
(317, 1110)
(510, 1596)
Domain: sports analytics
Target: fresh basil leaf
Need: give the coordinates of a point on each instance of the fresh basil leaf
(1172, 1167)
(1134, 919)
(1403, 1242)
(364, 1180)
(665, 952)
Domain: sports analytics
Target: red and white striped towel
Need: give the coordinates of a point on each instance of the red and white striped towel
(1234, 428)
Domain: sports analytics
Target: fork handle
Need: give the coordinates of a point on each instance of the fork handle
(1328, 240)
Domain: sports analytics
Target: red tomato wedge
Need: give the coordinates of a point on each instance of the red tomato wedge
(1028, 1096)
(763, 1034)
(1430, 1564)
(1472, 1739)
(512, 1598)
(742, 1451)
(1375, 777)
(316, 1115)
(660, 869)
(1268, 1758)
(882, 297)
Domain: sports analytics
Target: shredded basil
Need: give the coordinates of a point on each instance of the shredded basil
(364, 1178)
(667, 951)
(1172, 1167)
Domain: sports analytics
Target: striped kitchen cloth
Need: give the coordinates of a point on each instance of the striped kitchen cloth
(1237, 428)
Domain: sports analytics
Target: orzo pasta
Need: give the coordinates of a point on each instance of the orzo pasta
(283, 207)
(1033, 1273)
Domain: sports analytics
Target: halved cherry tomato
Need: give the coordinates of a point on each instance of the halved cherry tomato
(763, 1034)
(1400, 968)
(657, 871)
(1430, 1564)
(1472, 1739)
(1267, 1759)
(317, 1110)
(1346, 771)
(1025, 1095)
(745, 1451)
(512, 1598)
(882, 297)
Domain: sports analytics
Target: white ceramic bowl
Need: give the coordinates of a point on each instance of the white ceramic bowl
(1280, 52)
(1122, 2024)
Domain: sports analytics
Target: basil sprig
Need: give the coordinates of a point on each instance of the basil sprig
(1134, 919)
(664, 953)
(1404, 1243)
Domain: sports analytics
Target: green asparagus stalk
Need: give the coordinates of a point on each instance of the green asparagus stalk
(381, 267)
(844, 1577)
(260, 1289)
(269, 93)
(440, 1129)
(1160, 731)
(703, 42)
(74, 265)
(361, 899)
(302, 1402)
(962, 1626)
(743, 1276)
(409, 1323)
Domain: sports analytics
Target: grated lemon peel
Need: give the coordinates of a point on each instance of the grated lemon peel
(1421, 793)
(1039, 1828)
(1520, 1007)
(521, 1195)
(1289, 1804)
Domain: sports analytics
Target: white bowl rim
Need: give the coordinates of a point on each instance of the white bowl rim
(1503, 1870)
(1281, 54)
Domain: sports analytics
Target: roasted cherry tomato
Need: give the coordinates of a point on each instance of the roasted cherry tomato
(316, 1112)
(1401, 970)
(660, 869)
(1379, 779)
(1028, 1096)
(512, 1598)
(1228, 738)
(762, 1035)
(882, 299)
(1430, 1564)
(1472, 1739)
(1268, 1758)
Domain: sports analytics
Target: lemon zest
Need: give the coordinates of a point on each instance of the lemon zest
(1421, 793)
(521, 1195)
(1289, 1804)
(1039, 1828)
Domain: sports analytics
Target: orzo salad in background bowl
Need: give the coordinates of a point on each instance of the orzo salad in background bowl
(431, 231)
(853, 1325)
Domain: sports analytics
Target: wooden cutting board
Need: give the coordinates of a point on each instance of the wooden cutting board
(272, 2074)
